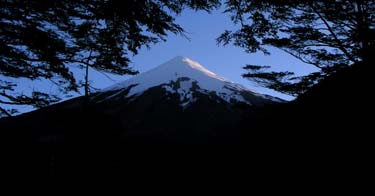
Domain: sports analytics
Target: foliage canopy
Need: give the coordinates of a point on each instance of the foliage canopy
(43, 39)
(328, 34)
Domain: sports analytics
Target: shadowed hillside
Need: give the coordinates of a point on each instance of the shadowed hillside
(333, 118)
(337, 111)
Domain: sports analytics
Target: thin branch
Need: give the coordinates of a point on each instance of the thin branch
(301, 59)
(69, 60)
(344, 24)
(11, 103)
(13, 100)
(104, 74)
(239, 13)
(5, 112)
(7, 96)
(340, 46)
(87, 74)
(317, 45)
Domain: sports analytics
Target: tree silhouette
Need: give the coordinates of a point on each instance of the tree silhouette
(328, 34)
(44, 39)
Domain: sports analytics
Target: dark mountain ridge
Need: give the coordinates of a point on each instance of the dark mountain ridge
(331, 121)
(179, 102)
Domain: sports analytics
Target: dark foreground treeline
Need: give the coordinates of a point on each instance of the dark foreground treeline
(333, 117)
(323, 136)
(337, 110)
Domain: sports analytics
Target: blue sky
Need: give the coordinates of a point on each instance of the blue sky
(203, 28)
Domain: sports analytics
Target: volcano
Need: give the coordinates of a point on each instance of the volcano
(179, 101)
(187, 79)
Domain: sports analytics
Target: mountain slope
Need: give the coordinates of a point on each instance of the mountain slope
(186, 78)
(177, 102)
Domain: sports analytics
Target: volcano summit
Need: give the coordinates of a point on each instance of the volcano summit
(179, 101)
(187, 78)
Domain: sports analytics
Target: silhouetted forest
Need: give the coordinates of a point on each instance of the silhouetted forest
(45, 39)
(42, 39)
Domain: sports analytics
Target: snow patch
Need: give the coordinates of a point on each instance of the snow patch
(181, 75)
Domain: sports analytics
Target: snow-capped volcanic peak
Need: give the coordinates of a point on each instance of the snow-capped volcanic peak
(188, 74)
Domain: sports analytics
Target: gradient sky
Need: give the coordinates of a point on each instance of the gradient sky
(202, 29)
